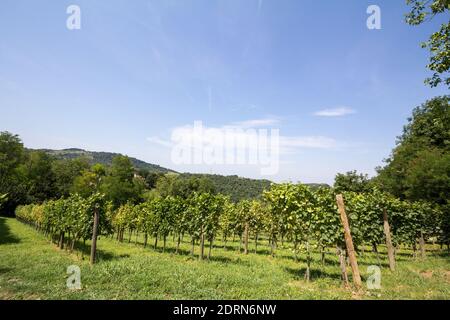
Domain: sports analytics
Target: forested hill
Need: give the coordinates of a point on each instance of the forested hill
(103, 158)
(239, 188)
(236, 187)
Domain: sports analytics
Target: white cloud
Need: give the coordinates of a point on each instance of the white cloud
(255, 123)
(244, 132)
(335, 112)
(159, 141)
(315, 142)
(250, 144)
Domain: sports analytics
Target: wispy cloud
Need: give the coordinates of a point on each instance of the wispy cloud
(316, 142)
(246, 131)
(159, 141)
(335, 112)
(255, 123)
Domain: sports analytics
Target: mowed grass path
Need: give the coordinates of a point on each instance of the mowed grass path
(33, 268)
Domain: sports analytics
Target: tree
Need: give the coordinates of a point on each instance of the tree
(3, 199)
(237, 188)
(429, 125)
(428, 177)
(351, 181)
(173, 184)
(122, 168)
(11, 154)
(120, 185)
(65, 172)
(11, 179)
(89, 181)
(165, 185)
(418, 166)
(185, 187)
(39, 177)
(439, 42)
(150, 177)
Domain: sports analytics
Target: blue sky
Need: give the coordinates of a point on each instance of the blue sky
(138, 70)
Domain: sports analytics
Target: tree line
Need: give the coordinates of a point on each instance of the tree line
(28, 177)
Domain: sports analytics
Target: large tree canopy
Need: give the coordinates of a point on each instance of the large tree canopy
(11, 157)
(419, 166)
(172, 184)
(439, 42)
(120, 185)
(66, 171)
(351, 181)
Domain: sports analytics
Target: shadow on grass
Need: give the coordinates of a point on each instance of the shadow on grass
(187, 253)
(330, 258)
(102, 255)
(299, 274)
(443, 254)
(182, 252)
(5, 270)
(251, 249)
(6, 237)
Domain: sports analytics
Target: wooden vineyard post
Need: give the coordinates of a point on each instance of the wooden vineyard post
(94, 237)
(422, 245)
(246, 236)
(344, 275)
(390, 247)
(349, 242)
(202, 245)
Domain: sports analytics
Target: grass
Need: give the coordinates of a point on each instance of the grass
(33, 268)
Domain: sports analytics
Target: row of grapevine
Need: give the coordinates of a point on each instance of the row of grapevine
(67, 221)
(287, 212)
(295, 213)
(198, 217)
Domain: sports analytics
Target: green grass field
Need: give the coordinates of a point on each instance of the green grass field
(33, 268)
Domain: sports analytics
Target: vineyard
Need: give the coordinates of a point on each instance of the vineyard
(287, 216)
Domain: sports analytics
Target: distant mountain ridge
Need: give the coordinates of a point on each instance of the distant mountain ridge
(103, 158)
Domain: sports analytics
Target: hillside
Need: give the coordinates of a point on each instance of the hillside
(239, 188)
(236, 187)
(103, 158)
